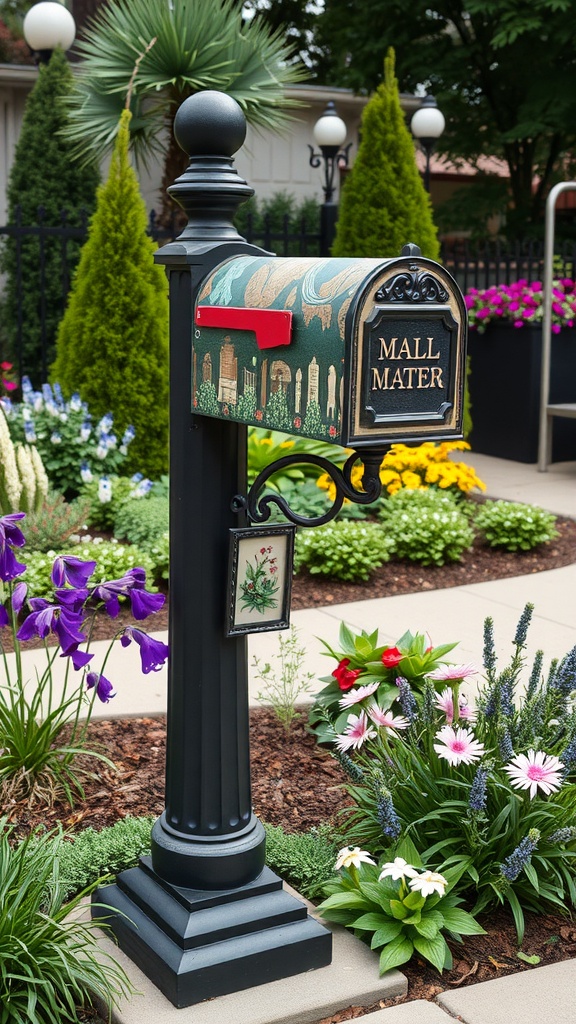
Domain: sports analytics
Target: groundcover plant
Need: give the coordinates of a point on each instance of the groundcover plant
(484, 789)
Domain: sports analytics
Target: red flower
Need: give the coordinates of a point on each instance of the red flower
(392, 657)
(258, 414)
(332, 431)
(346, 677)
(297, 422)
(6, 366)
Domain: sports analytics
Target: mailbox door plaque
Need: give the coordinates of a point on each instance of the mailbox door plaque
(408, 359)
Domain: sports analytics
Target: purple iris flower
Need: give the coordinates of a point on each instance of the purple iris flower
(79, 659)
(153, 653)
(46, 618)
(104, 688)
(19, 596)
(4, 620)
(72, 600)
(10, 536)
(9, 532)
(72, 570)
(130, 585)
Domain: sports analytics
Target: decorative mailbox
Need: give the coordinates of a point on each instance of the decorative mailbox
(358, 352)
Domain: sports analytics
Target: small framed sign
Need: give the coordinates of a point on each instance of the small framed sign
(259, 579)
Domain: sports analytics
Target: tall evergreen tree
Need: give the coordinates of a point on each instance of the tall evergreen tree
(112, 346)
(384, 204)
(43, 175)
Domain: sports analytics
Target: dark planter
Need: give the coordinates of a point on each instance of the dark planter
(504, 384)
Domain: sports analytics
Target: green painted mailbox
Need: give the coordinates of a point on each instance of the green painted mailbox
(360, 352)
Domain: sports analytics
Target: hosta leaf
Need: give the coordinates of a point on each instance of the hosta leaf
(395, 953)
(461, 922)
(427, 928)
(433, 950)
(385, 934)
(371, 922)
(344, 900)
(398, 910)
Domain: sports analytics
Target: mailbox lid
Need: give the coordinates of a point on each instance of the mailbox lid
(284, 370)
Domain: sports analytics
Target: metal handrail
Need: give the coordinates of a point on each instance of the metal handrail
(543, 442)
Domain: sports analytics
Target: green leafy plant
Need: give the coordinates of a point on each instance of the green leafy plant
(112, 343)
(51, 528)
(72, 449)
(33, 265)
(363, 660)
(88, 856)
(487, 788)
(44, 723)
(399, 907)
(267, 446)
(304, 859)
(284, 684)
(142, 522)
(425, 526)
(106, 495)
(384, 203)
(113, 560)
(515, 526)
(159, 555)
(345, 550)
(51, 963)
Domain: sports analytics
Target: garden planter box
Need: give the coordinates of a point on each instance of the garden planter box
(504, 384)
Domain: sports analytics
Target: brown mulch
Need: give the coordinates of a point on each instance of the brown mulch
(298, 785)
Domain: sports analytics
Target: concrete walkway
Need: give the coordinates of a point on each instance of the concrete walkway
(530, 997)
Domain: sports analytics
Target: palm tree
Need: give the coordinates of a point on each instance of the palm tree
(161, 51)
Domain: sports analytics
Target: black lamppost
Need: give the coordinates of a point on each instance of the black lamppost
(47, 25)
(329, 134)
(427, 126)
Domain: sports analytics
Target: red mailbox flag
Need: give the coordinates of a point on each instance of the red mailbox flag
(272, 327)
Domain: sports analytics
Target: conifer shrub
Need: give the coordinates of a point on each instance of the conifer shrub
(43, 174)
(142, 521)
(384, 203)
(112, 346)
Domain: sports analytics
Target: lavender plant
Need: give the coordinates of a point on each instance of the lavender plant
(487, 787)
(72, 448)
(44, 723)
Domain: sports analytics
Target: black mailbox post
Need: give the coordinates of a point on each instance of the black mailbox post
(204, 916)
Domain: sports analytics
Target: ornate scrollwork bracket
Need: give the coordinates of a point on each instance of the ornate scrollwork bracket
(258, 506)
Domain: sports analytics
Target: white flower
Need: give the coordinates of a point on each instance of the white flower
(458, 746)
(386, 720)
(358, 694)
(536, 769)
(396, 869)
(453, 673)
(356, 733)
(352, 856)
(429, 882)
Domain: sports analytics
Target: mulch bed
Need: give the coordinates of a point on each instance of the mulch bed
(298, 785)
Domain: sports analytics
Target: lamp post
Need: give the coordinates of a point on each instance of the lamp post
(47, 25)
(329, 134)
(427, 126)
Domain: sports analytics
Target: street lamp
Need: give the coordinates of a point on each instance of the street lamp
(47, 25)
(329, 134)
(427, 126)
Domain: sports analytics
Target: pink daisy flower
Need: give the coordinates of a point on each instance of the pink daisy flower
(386, 720)
(360, 693)
(453, 673)
(535, 770)
(356, 733)
(458, 746)
(445, 702)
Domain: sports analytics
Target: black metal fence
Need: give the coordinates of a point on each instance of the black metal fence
(472, 265)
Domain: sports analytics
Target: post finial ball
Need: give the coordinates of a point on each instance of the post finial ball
(210, 123)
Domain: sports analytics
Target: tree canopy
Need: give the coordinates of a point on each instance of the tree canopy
(503, 73)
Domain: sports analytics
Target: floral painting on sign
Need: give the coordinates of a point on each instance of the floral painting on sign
(260, 578)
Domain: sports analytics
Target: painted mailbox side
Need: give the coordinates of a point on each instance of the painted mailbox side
(295, 385)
